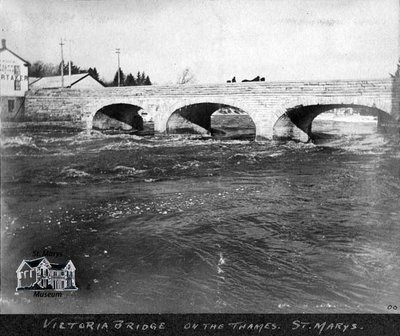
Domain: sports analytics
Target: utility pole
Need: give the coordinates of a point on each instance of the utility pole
(70, 63)
(117, 51)
(62, 64)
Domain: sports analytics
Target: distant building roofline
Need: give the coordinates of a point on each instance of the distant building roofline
(88, 74)
(75, 78)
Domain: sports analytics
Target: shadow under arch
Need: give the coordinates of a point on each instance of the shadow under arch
(214, 119)
(296, 122)
(124, 117)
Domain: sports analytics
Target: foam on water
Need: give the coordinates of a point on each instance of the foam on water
(16, 141)
(72, 172)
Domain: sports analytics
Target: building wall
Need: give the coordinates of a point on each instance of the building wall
(13, 85)
(11, 107)
(13, 75)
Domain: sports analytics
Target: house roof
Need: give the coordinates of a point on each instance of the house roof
(58, 266)
(54, 82)
(19, 57)
(35, 262)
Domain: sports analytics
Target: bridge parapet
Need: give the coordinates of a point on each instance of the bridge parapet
(314, 87)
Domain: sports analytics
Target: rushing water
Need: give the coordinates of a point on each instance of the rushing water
(184, 225)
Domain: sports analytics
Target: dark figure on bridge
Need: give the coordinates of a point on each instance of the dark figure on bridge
(256, 79)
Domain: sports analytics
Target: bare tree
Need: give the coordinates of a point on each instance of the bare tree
(186, 77)
(41, 69)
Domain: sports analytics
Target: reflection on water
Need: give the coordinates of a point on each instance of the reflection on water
(178, 225)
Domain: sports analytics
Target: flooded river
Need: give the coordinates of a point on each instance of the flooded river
(160, 224)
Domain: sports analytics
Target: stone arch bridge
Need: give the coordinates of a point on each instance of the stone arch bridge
(276, 108)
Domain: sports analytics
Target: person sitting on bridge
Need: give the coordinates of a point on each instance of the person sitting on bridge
(256, 79)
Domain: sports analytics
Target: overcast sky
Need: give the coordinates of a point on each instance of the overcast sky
(278, 39)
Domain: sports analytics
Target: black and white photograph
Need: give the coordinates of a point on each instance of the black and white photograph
(200, 156)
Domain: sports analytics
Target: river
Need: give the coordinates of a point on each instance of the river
(171, 224)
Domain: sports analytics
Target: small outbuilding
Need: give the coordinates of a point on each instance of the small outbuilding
(77, 81)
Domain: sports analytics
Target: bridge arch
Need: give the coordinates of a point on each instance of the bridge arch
(119, 116)
(296, 122)
(212, 118)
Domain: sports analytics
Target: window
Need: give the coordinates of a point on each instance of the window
(11, 106)
(17, 85)
(17, 70)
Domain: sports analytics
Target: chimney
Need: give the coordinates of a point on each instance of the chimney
(3, 43)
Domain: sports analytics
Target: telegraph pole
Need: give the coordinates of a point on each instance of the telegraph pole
(62, 64)
(70, 63)
(117, 51)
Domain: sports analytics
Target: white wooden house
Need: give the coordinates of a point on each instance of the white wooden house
(13, 82)
(40, 274)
